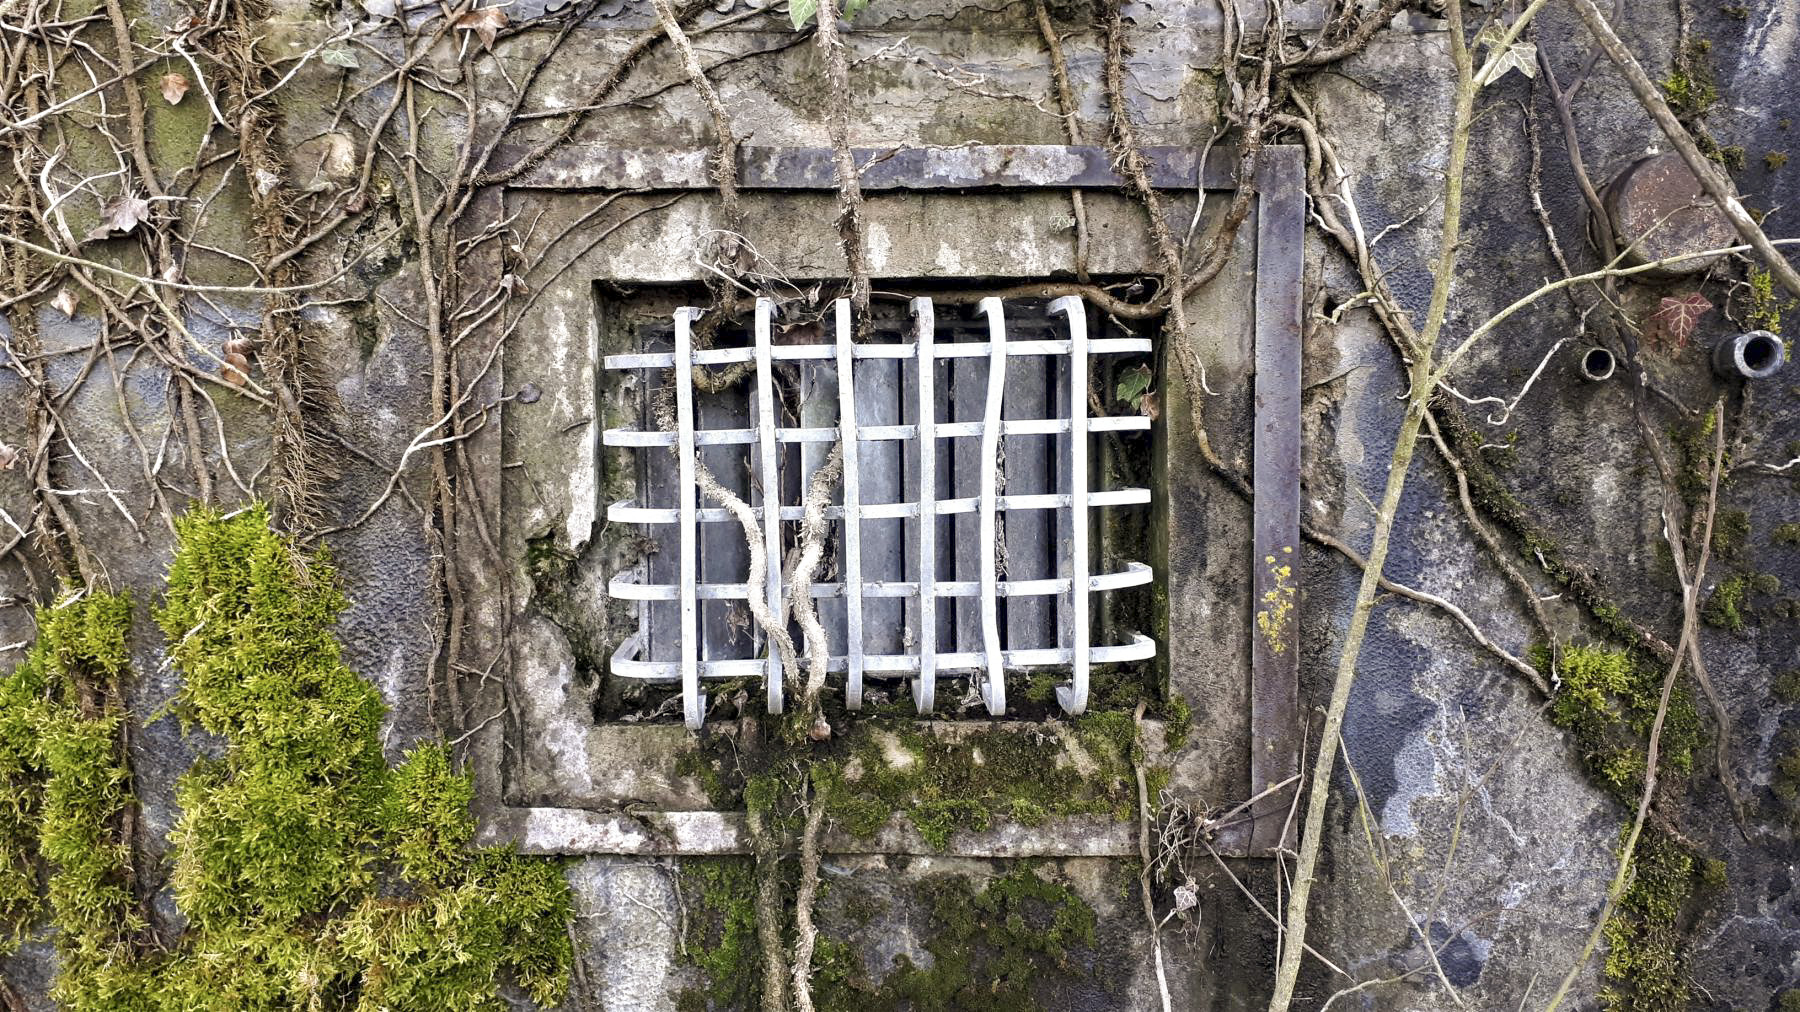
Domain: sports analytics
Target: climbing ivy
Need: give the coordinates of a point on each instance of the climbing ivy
(311, 874)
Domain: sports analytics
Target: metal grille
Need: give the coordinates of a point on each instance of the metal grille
(902, 604)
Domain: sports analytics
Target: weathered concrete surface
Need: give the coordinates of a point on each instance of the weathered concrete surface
(1439, 733)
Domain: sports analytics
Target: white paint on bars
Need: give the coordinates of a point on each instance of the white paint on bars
(921, 660)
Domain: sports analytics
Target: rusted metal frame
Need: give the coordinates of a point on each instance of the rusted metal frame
(1275, 731)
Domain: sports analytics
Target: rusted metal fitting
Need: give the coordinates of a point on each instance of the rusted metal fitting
(1757, 354)
(1657, 209)
(1597, 364)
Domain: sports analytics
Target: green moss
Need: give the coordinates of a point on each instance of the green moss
(1690, 89)
(1013, 944)
(63, 790)
(1645, 966)
(309, 873)
(1725, 608)
(1786, 534)
(1774, 160)
(1763, 308)
(1733, 157)
(943, 784)
(1790, 1000)
(1731, 529)
(1608, 700)
(720, 893)
(1180, 719)
(1787, 687)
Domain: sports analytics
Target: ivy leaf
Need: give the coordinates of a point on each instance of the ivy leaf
(1519, 56)
(1134, 385)
(485, 23)
(339, 56)
(119, 216)
(174, 87)
(1676, 317)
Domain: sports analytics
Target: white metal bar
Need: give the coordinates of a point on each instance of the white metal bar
(925, 685)
(627, 511)
(1073, 696)
(877, 433)
(771, 492)
(852, 562)
(692, 703)
(625, 663)
(799, 352)
(624, 588)
(993, 691)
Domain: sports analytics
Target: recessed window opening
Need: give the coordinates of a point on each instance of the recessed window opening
(974, 537)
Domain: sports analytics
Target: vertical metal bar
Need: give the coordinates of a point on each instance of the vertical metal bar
(1073, 696)
(771, 486)
(925, 686)
(993, 689)
(1274, 642)
(852, 562)
(692, 703)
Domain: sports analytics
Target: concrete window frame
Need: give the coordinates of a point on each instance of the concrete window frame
(551, 780)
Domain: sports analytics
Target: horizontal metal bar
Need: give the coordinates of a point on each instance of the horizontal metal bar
(625, 511)
(626, 665)
(1135, 574)
(963, 167)
(802, 352)
(876, 433)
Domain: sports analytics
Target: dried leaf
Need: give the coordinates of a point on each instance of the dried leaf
(236, 370)
(174, 86)
(1150, 405)
(65, 300)
(9, 455)
(265, 181)
(514, 285)
(339, 56)
(1677, 316)
(485, 23)
(119, 216)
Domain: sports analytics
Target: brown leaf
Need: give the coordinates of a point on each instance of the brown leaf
(1150, 405)
(485, 23)
(237, 346)
(65, 300)
(174, 86)
(1676, 317)
(514, 285)
(236, 370)
(9, 455)
(120, 215)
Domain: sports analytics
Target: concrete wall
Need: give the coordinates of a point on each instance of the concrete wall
(1484, 831)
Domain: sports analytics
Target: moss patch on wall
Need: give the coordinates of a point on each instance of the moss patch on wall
(1009, 943)
(312, 875)
(1608, 701)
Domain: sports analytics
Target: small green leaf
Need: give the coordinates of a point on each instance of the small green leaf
(802, 11)
(1133, 384)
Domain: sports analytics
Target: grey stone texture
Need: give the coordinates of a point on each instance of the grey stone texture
(1483, 832)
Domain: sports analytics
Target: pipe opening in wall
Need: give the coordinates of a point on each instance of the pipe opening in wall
(1758, 354)
(1761, 351)
(1597, 364)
